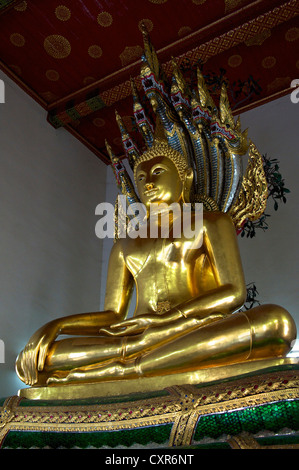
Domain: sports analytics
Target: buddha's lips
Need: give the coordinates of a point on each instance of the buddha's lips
(150, 192)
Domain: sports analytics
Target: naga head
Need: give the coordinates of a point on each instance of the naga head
(226, 129)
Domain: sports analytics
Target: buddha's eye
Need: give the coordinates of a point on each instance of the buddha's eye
(140, 177)
(158, 171)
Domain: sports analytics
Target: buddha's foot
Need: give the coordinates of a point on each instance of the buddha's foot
(97, 372)
(58, 377)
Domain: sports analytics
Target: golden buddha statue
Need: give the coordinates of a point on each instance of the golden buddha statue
(187, 315)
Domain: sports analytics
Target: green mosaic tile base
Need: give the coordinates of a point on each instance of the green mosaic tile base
(244, 406)
(270, 417)
(141, 436)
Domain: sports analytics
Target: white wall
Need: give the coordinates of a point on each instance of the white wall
(50, 258)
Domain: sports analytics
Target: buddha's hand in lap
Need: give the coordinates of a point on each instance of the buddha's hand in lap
(133, 326)
(139, 324)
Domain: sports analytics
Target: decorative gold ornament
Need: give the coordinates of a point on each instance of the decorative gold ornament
(17, 39)
(148, 24)
(104, 19)
(231, 5)
(99, 122)
(158, 2)
(22, 6)
(88, 80)
(259, 38)
(268, 62)
(95, 51)
(235, 60)
(57, 46)
(62, 13)
(184, 30)
(292, 34)
(52, 75)
(252, 199)
(130, 54)
(279, 83)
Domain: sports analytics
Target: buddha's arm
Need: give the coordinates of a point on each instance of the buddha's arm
(119, 284)
(221, 247)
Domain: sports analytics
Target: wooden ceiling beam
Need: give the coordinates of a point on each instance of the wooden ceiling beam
(228, 22)
(8, 71)
(77, 106)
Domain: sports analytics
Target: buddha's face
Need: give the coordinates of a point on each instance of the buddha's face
(158, 181)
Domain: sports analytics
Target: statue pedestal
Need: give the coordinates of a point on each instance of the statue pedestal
(260, 409)
(122, 387)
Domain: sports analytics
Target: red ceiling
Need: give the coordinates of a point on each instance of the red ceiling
(76, 57)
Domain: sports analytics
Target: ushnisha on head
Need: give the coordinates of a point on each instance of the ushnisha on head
(160, 149)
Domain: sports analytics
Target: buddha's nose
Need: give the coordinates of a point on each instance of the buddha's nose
(149, 186)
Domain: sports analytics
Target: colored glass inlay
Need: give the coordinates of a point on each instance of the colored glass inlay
(127, 437)
(270, 417)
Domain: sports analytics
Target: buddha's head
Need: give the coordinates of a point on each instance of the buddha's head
(162, 176)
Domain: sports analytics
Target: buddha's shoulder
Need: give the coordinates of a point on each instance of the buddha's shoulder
(216, 218)
(128, 245)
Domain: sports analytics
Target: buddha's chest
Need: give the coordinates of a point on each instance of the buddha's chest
(156, 254)
(162, 268)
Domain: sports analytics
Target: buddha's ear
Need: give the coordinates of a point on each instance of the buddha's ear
(187, 184)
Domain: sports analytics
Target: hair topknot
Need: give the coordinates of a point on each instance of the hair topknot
(163, 149)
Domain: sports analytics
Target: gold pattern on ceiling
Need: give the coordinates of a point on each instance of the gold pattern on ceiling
(46, 50)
